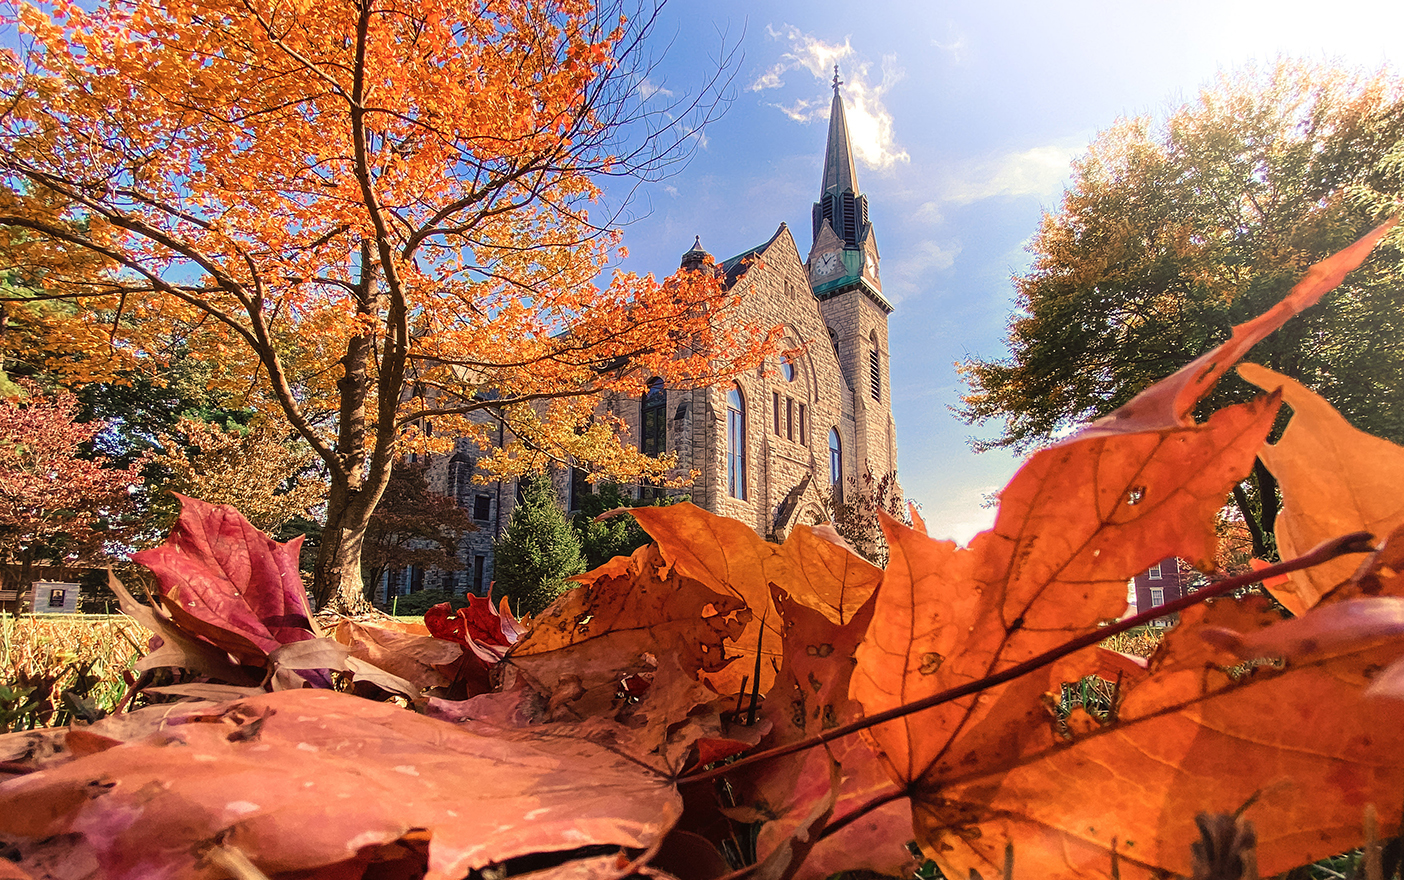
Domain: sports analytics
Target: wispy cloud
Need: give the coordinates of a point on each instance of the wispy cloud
(908, 273)
(955, 48)
(870, 125)
(1040, 171)
(648, 89)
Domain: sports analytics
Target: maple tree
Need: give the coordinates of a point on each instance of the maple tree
(264, 475)
(1174, 230)
(56, 504)
(848, 708)
(377, 213)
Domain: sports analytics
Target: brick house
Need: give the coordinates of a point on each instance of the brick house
(1166, 581)
(768, 446)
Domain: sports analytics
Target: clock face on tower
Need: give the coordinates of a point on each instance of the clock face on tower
(871, 264)
(826, 264)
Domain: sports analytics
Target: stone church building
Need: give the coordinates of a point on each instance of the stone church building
(767, 447)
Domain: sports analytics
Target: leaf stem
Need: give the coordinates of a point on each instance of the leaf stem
(862, 810)
(1355, 542)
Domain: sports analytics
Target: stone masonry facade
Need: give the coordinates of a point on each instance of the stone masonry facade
(804, 422)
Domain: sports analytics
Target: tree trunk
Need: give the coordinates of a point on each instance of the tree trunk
(336, 578)
(1260, 513)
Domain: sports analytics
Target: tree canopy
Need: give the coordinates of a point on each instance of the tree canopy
(377, 214)
(1171, 232)
(56, 505)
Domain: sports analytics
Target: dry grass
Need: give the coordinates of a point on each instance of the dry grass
(1141, 641)
(57, 667)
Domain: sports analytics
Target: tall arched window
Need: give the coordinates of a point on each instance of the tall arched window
(652, 412)
(875, 366)
(460, 478)
(835, 460)
(735, 443)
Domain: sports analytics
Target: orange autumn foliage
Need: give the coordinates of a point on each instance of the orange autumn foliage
(375, 217)
(898, 704)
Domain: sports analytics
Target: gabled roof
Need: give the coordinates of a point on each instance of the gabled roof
(733, 268)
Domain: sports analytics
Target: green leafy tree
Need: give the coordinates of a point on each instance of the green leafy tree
(537, 553)
(1172, 233)
(602, 540)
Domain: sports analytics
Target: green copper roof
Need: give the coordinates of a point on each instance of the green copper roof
(838, 156)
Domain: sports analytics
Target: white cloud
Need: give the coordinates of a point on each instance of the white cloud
(1040, 171)
(870, 125)
(648, 89)
(928, 212)
(955, 48)
(908, 274)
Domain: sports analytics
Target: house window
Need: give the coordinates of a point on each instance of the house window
(775, 400)
(479, 563)
(789, 418)
(875, 368)
(835, 459)
(787, 368)
(803, 426)
(652, 412)
(1157, 596)
(482, 507)
(56, 598)
(460, 478)
(414, 578)
(735, 443)
(1155, 574)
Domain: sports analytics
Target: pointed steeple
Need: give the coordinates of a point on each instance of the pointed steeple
(840, 203)
(838, 157)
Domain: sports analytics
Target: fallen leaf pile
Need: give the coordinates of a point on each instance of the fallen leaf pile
(594, 740)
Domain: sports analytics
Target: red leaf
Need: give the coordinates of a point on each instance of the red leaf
(226, 581)
(480, 627)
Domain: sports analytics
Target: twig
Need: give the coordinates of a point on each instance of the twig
(1355, 542)
(234, 862)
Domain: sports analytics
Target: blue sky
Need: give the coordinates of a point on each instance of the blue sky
(965, 117)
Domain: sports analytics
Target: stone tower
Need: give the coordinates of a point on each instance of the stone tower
(843, 272)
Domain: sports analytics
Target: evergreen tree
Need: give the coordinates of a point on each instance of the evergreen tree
(537, 553)
(601, 541)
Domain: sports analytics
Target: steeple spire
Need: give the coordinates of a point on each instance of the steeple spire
(838, 157)
(840, 203)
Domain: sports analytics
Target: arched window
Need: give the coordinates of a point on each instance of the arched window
(652, 420)
(835, 460)
(735, 443)
(875, 366)
(787, 368)
(460, 479)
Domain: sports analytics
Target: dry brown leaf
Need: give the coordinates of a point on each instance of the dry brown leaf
(625, 615)
(1193, 740)
(729, 557)
(1335, 480)
(416, 657)
(302, 779)
(1075, 523)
